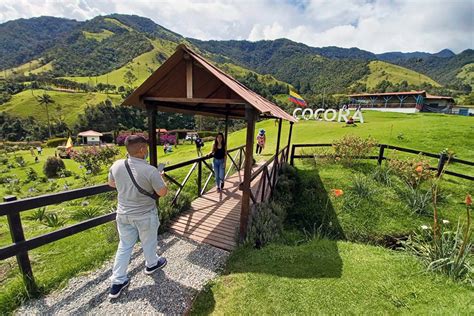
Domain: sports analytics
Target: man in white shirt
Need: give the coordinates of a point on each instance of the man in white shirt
(138, 185)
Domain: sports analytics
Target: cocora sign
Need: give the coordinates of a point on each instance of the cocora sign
(328, 114)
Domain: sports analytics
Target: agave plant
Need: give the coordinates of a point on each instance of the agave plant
(53, 220)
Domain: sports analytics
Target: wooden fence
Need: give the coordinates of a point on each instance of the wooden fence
(442, 157)
(11, 208)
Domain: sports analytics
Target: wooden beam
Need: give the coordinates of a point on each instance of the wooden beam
(189, 78)
(199, 110)
(276, 152)
(195, 100)
(250, 116)
(152, 142)
(289, 141)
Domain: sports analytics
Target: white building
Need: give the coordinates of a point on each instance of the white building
(90, 137)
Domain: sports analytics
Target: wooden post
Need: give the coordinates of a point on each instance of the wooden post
(152, 134)
(250, 116)
(276, 162)
(226, 131)
(442, 161)
(292, 158)
(381, 152)
(16, 232)
(199, 177)
(288, 145)
(189, 76)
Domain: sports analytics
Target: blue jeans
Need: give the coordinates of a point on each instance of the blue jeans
(219, 171)
(131, 228)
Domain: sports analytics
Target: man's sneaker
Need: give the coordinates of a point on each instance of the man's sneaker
(116, 289)
(159, 265)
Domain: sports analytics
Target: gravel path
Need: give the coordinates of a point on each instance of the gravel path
(170, 291)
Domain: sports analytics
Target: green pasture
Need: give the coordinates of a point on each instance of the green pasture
(380, 70)
(53, 264)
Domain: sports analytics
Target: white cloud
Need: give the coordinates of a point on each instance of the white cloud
(374, 25)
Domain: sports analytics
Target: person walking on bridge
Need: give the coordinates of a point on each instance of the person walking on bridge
(138, 186)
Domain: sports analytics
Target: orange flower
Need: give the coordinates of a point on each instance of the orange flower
(419, 169)
(337, 192)
(468, 200)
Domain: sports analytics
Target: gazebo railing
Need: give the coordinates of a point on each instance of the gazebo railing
(267, 177)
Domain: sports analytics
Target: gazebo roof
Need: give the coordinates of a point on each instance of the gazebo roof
(188, 83)
(90, 133)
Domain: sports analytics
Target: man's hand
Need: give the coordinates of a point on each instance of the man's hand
(112, 184)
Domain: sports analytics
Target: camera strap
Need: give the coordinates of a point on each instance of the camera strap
(153, 195)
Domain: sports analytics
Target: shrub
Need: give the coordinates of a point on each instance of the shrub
(123, 135)
(167, 138)
(37, 215)
(92, 158)
(413, 171)
(416, 199)
(84, 213)
(20, 161)
(264, 226)
(382, 175)
(3, 160)
(53, 166)
(54, 142)
(31, 175)
(167, 210)
(351, 147)
(448, 255)
(53, 220)
(362, 187)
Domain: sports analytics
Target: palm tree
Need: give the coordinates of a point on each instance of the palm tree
(45, 100)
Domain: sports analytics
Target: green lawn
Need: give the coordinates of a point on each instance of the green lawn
(330, 277)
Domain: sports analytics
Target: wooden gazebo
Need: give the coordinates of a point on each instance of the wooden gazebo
(188, 83)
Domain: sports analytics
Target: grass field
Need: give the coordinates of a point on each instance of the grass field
(429, 132)
(25, 104)
(380, 70)
(330, 278)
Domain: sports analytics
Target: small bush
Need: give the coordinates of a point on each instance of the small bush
(37, 215)
(413, 171)
(84, 213)
(54, 142)
(416, 199)
(31, 175)
(362, 187)
(264, 226)
(20, 161)
(92, 158)
(53, 166)
(167, 210)
(382, 175)
(351, 147)
(448, 255)
(53, 220)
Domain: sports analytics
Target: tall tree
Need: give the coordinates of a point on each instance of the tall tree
(45, 100)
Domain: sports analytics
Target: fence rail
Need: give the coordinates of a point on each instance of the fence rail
(442, 157)
(11, 208)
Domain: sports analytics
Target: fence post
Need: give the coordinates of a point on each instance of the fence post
(16, 232)
(443, 157)
(381, 152)
(199, 179)
(292, 158)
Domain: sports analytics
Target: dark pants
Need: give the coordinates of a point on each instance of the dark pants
(259, 149)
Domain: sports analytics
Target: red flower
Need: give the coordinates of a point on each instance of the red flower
(419, 169)
(337, 192)
(468, 200)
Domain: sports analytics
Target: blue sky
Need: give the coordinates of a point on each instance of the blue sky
(376, 25)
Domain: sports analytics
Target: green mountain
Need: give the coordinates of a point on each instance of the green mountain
(26, 39)
(85, 62)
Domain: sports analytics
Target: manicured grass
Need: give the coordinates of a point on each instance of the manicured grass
(25, 104)
(329, 277)
(380, 70)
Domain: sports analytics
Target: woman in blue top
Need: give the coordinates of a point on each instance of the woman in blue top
(220, 154)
